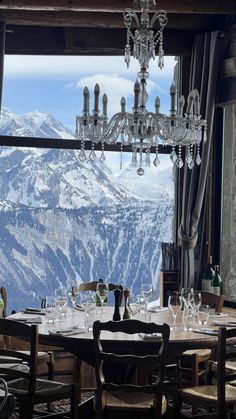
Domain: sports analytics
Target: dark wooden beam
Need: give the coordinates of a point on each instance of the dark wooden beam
(172, 6)
(84, 41)
(32, 142)
(105, 20)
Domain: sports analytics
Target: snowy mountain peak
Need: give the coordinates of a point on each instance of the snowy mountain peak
(33, 124)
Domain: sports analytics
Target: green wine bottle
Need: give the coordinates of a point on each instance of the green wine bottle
(217, 283)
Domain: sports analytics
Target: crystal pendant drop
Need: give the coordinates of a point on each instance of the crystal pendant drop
(156, 162)
(179, 162)
(102, 157)
(190, 164)
(92, 155)
(140, 171)
(198, 159)
(82, 156)
(148, 163)
(189, 158)
(134, 158)
(173, 156)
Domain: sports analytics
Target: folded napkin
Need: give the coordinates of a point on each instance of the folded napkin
(33, 311)
(205, 331)
(219, 315)
(66, 332)
(157, 309)
(150, 336)
(28, 319)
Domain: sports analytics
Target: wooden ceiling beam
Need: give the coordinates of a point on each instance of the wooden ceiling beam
(172, 6)
(105, 20)
(84, 41)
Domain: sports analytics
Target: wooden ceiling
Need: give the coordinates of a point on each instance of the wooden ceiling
(96, 26)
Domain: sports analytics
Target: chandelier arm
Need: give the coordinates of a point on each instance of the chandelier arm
(161, 16)
(129, 15)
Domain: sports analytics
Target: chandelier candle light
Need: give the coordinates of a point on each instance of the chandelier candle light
(140, 128)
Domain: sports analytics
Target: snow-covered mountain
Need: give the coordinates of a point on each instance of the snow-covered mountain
(32, 124)
(62, 220)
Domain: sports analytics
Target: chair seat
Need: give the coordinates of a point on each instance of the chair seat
(209, 393)
(230, 367)
(124, 401)
(45, 389)
(201, 353)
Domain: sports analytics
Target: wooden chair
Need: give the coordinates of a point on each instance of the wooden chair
(220, 396)
(121, 400)
(25, 387)
(193, 363)
(45, 360)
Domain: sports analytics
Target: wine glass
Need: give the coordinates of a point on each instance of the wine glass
(146, 293)
(87, 302)
(73, 295)
(102, 290)
(61, 300)
(174, 304)
(186, 296)
(196, 301)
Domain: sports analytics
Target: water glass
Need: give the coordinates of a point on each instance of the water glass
(188, 317)
(61, 301)
(203, 314)
(146, 293)
(50, 309)
(175, 305)
(102, 290)
(87, 302)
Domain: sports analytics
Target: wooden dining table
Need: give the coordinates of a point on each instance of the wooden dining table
(69, 333)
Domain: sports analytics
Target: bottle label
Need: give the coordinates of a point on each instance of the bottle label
(206, 285)
(216, 290)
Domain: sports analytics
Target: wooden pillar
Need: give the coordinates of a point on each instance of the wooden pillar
(2, 53)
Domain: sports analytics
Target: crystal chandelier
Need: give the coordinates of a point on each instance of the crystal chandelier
(141, 128)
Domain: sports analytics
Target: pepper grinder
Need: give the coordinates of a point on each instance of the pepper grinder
(127, 314)
(116, 315)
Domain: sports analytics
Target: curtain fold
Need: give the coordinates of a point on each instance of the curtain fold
(206, 58)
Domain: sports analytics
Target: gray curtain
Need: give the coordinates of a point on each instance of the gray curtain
(205, 65)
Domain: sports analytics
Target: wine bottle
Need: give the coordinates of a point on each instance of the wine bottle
(208, 276)
(217, 283)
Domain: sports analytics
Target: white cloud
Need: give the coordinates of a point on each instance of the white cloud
(24, 66)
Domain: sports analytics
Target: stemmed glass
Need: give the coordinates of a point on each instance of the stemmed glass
(87, 302)
(73, 295)
(174, 304)
(146, 293)
(61, 300)
(196, 302)
(102, 290)
(187, 296)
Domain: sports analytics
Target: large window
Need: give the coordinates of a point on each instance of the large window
(62, 219)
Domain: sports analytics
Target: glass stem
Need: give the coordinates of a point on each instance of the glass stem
(174, 318)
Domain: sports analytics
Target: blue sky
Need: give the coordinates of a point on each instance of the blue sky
(54, 84)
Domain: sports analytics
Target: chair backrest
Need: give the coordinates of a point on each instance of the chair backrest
(212, 299)
(147, 361)
(225, 350)
(11, 328)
